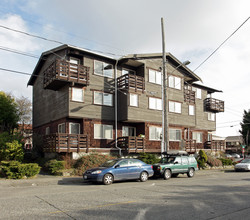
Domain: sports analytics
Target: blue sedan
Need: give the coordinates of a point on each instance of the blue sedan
(118, 170)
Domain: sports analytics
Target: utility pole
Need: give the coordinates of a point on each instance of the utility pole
(165, 104)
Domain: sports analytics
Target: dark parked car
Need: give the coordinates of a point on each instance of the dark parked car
(118, 170)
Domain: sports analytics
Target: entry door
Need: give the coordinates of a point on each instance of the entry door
(128, 131)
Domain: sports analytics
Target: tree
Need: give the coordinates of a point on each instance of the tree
(245, 127)
(24, 110)
(9, 116)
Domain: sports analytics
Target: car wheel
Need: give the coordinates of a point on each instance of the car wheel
(144, 176)
(167, 174)
(190, 172)
(175, 174)
(108, 179)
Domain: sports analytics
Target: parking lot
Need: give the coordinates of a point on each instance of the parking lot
(211, 194)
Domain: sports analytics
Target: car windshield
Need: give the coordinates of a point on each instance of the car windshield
(245, 161)
(167, 159)
(109, 163)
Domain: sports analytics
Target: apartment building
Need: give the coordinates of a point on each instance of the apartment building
(85, 101)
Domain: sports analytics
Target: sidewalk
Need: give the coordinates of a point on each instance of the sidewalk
(44, 179)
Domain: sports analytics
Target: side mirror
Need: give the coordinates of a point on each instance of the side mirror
(117, 166)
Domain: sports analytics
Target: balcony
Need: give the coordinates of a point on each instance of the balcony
(61, 72)
(215, 145)
(189, 96)
(65, 143)
(130, 82)
(131, 144)
(213, 105)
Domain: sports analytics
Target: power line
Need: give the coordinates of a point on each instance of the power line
(221, 44)
(54, 41)
(18, 52)
(14, 71)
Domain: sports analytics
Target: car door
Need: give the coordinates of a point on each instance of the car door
(121, 171)
(177, 165)
(135, 168)
(184, 161)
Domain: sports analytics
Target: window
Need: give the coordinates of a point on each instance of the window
(174, 134)
(61, 128)
(127, 71)
(128, 131)
(197, 136)
(47, 130)
(103, 131)
(154, 76)
(155, 133)
(191, 110)
(74, 128)
(174, 107)
(155, 103)
(101, 98)
(211, 116)
(197, 92)
(77, 94)
(133, 100)
(174, 82)
(103, 69)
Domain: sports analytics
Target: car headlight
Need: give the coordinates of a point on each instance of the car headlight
(96, 172)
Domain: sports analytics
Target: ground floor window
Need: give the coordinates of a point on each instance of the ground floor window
(103, 131)
(197, 136)
(74, 128)
(155, 133)
(128, 131)
(61, 128)
(174, 134)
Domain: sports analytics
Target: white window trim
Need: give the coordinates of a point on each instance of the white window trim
(176, 84)
(172, 129)
(102, 74)
(72, 94)
(155, 76)
(175, 107)
(155, 139)
(137, 100)
(200, 134)
(74, 123)
(103, 131)
(61, 125)
(156, 100)
(192, 113)
(211, 116)
(103, 93)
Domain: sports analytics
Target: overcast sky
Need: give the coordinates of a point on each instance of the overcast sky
(193, 30)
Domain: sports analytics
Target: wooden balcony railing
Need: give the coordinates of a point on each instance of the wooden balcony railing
(213, 105)
(65, 143)
(215, 145)
(131, 82)
(131, 144)
(61, 72)
(189, 96)
(190, 146)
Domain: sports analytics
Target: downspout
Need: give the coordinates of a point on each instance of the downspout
(116, 109)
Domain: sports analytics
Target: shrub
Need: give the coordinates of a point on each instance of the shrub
(202, 159)
(148, 158)
(17, 170)
(55, 166)
(12, 151)
(90, 161)
(213, 162)
(226, 162)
